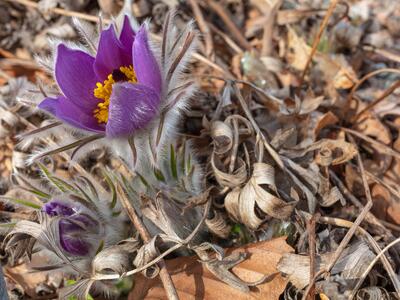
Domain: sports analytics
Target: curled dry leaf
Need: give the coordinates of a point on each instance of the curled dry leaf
(115, 258)
(218, 224)
(222, 136)
(241, 203)
(194, 281)
(226, 179)
(330, 152)
(145, 254)
(351, 264)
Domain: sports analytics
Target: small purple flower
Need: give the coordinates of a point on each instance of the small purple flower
(116, 92)
(75, 226)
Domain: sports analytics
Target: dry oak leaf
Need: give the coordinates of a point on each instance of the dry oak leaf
(193, 281)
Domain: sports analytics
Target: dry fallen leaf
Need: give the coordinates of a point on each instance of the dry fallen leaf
(298, 50)
(193, 281)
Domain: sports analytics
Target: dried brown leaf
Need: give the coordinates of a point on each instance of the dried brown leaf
(241, 203)
(194, 281)
(237, 178)
(298, 51)
(330, 152)
(218, 224)
(222, 135)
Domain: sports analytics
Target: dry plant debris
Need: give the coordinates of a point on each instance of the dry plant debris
(193, 280)
(267, 165)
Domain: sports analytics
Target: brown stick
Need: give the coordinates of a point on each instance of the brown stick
(382, 97)
(318, 37)
(364, 212)
(311, 246)
(237, 34)
(137, 222)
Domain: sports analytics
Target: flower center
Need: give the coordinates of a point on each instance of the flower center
(103, 90)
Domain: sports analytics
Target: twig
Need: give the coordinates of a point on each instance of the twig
(361, 231)
(324, 23)
(385, 94)
(361, 216)
(371, 265)
(237, 34)
(366, 77)
(351, 231)
(373, 243)
(370, 217)
(385, 53)
(230, 42)
(382, 147)
(137, 222)
(259, 90)
(311, 246)
(209, 44)
(267, 146)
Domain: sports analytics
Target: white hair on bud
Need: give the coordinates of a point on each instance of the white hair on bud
(88, 33)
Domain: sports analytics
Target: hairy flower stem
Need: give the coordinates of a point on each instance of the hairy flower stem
(144, 234)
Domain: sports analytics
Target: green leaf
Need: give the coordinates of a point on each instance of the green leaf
(112, 188)
(116, 213)
(142, 179)
(32, 189)
(37, 193)
(101, 247)
(22, 202)
(87, 197)
(159, 175)
(173, 163)
(10, 224)
(57, 182)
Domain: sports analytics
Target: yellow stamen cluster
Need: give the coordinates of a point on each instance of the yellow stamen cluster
(103, 91)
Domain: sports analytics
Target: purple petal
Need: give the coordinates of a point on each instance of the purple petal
(111, 54)
(76, 77)
(63, 109)
(144, 63)
(127, 35)
(57, 208)
(71, 238)
(132, 107)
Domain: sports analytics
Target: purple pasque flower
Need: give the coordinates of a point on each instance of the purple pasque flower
(117, 92)
(76, 226)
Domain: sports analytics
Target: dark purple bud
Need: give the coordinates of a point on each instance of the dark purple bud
(57, 208)
(76, 227)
